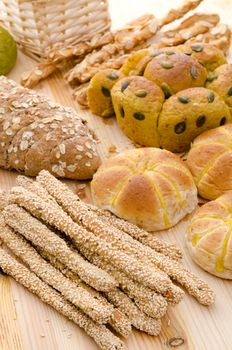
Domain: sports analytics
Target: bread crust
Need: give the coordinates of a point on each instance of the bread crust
(147, 186)
(209, 237)
(36, 134)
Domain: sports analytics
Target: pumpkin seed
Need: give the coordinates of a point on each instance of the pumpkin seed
(183, 99)
(170, 53)
(180, 128)
(124, 85)
(211, 77)
(105, 91)
(166, 64)
(155, 53)
(229, 92)
(166, 89)
(139, 116)
(210, 97)
(188, 53)
(122, 112)
(193, 72)
(223, 121)
(141, 93)
(200, 121)
(197, 48)
(112, 75)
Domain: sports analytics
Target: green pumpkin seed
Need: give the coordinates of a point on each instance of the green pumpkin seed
(180, 128)
(112, 75)
(139, 116)
(170, 53)
(211, 77)
(193, 72)
(223, 121)
(155, 53)
(166, 64)
(229, 92)
(166, 89)
(141, 93)
(200, 121)
(122, 112)
(124, 85)
(183, 99)
(197, 48)
(210, 97)
(105, 91)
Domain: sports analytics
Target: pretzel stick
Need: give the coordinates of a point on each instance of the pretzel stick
(124, 242)
(34, 231)
(55, 217)
(102, 336)
(75, 294)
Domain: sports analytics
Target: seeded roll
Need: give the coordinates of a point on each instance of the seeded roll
(209, 237)
(210, 162)
(99, 92)
(174, 72)
(220, 81)
(137, 103)
(136, 63)
(207, 55)
(187, 114)
(149, 187)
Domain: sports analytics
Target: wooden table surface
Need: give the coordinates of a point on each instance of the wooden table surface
(28, 324)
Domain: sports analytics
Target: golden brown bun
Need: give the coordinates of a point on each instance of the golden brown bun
(149, 187)
(209, 237)
(221, 83)
(210, 162)
(137, 103)
(175, 72)
(187, 114)
(99, 92)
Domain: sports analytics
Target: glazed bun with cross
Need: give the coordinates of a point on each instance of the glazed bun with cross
(210, 162)
(209, 237)
(149, 187)
(137, 103)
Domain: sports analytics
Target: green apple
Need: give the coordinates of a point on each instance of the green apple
(8, 52)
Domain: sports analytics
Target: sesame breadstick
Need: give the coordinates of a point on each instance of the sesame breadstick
(36, 232)
(53, 216)
(193, 284)
(73, 293)
(102, 336)
(74, 206)
(118, 320)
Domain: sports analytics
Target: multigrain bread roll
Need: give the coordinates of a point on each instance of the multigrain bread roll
(187, 114)
(36, 134)
(149, 187)
(210, 162)
(137, 103)
(174, 72)
(209, 237)
(220, 81)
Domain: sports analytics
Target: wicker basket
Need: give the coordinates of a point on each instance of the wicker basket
(40, 25)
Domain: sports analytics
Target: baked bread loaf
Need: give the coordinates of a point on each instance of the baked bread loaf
(210, 162)
(187, 114)
(136, 63)
(220, 81)
(37, 134)
(149, 187)
(174, 72)
(99, 92)
(209, 237)
(137, 103)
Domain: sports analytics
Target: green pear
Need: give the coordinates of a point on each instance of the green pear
(8, 52)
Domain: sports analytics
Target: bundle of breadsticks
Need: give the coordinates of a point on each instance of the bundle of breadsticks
(112, 49)
(90, 266)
